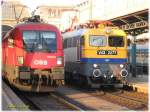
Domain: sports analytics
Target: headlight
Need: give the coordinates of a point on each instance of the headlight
(95, 65)
(121, 65)
(111, 76)
(59, 60)
(104, 75)
(20, 60)
(97, 73)
(124, 73)
(108, 30)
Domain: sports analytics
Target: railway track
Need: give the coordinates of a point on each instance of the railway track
(49, 101)
(44, 101)
(131, 100)
(140, 97)
(53, 101)
(128, 98)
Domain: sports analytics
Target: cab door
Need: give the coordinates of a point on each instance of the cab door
(78, 49)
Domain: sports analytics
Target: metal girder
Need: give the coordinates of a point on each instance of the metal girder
(129, 15)
(138, 17)
(125, 21)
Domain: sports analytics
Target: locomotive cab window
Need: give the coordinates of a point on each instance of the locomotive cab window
(49, 40)
(97, 40)
(116, 41)
(29, 38)
(43, 41)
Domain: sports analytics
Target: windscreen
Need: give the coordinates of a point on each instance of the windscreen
(42, 41)
(116, 41)
(97, 40)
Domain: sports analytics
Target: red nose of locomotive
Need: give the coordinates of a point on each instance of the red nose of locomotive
(42, 60)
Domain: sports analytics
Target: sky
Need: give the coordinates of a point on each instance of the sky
(32, 4)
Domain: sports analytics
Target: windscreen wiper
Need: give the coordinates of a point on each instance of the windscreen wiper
(36, 42)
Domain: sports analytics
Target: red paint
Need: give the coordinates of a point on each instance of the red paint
(10, 55)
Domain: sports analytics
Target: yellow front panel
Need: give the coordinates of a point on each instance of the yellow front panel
(91, 51)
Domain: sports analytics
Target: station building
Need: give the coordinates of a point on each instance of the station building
(13, 11)
(108, 9)
(58, 15)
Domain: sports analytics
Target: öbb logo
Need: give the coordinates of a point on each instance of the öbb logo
(40, 62)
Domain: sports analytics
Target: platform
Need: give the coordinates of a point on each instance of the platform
(10, 101)
(140, 83)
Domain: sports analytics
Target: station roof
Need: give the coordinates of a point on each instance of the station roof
(6, 28)
(134, 23)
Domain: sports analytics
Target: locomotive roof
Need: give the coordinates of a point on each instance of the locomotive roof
(81, 32)
(22, 25)
(75, 33)
(33, 23)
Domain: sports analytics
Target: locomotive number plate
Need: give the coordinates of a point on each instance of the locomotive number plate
(106, 52)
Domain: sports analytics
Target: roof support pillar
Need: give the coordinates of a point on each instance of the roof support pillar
(133, 57)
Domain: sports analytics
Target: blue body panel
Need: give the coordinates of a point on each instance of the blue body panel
(103, 60)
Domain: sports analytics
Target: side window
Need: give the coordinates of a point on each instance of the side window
(74, 42)
(11, 41)
(65, 43)
(69, 42)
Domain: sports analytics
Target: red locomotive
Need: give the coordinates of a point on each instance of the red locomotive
(33, 58)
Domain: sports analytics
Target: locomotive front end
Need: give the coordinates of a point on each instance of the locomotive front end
(42, 63)
(96, 55)
(106, 55)
(36, 61)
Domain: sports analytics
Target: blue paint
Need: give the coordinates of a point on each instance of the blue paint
(104, 60)
(133, 63)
